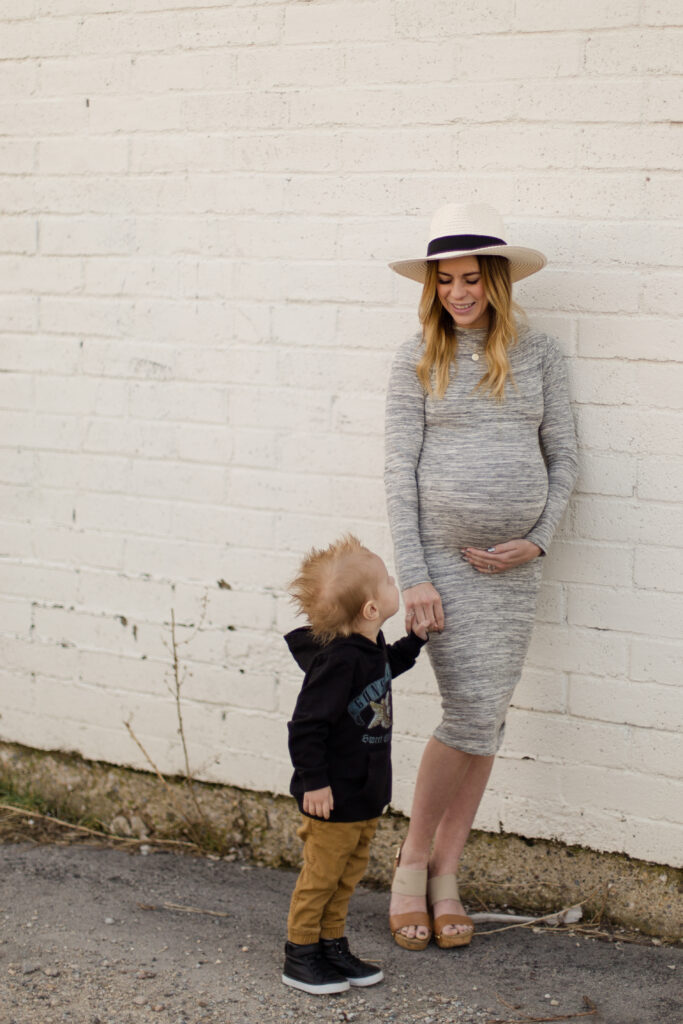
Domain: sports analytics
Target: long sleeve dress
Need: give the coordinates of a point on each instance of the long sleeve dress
(468, 471)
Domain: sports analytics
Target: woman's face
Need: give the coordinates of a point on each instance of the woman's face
(461, 291)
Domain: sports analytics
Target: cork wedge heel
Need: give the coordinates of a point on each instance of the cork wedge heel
(409, 882)
(445, 887)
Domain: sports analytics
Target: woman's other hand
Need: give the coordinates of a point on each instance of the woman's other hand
(501, 557)
(424, 610)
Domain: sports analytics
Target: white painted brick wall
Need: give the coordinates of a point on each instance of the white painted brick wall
(196, 210)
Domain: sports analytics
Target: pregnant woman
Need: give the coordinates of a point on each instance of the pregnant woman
(480, 463)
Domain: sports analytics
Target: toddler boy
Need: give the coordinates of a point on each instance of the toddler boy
(340, 745)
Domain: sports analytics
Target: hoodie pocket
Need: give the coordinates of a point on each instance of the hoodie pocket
(349, 786)
(368, 790)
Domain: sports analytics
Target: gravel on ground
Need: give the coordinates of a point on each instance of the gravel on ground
(91, 934)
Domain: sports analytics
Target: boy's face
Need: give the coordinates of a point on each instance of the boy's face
(387, 595)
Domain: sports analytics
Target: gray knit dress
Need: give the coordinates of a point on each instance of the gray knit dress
(468, 471)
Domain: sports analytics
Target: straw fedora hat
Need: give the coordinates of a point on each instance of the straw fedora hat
(470, 229)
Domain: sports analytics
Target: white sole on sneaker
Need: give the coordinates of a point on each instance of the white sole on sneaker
(318, 990)
(372, 979)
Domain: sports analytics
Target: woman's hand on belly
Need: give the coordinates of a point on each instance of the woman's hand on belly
(501, 557)
(423, 608)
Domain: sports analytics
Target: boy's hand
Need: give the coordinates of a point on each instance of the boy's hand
(319, 802)
(421, 631)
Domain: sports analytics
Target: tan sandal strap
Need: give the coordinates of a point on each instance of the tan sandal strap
(443, 887)
(444, 920)
(409, 882)
(418, 917)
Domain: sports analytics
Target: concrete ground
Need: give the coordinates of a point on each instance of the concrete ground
(94, 935)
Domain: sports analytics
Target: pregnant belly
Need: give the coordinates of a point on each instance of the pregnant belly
(480, 499)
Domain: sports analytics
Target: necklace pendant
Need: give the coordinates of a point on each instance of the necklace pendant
(475, 356)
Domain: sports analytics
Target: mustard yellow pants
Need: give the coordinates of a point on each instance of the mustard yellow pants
(335, 858)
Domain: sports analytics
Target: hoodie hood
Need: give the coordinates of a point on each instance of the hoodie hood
(304, 648)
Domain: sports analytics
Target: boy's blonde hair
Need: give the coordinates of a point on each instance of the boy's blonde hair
(332, 586)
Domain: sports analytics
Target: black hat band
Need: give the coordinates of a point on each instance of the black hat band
(461, 243)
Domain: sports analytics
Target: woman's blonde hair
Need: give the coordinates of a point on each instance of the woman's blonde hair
(332, 586)
(439, 333)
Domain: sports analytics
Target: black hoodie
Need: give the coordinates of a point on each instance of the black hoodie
(340, 732)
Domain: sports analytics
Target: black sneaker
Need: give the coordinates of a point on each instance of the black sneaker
(308, 969)
(358, 972)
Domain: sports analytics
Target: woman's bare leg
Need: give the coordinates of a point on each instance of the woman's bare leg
(448, 789)
(453, 830)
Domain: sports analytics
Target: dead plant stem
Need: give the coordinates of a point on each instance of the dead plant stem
(590, 1012)
(534, 921)
(179, 713)
(169, 789)
(184, 908)
(92, 831)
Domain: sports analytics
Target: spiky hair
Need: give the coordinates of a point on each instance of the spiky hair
(332, 585)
